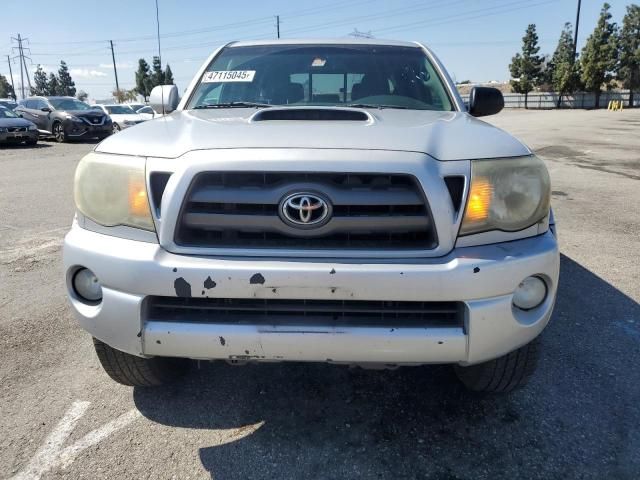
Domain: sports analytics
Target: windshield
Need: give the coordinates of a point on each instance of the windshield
(120, 109)
(68, 104)
(335, 75)
(6, 113)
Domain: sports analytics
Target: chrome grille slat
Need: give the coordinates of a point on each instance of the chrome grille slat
(241, 210)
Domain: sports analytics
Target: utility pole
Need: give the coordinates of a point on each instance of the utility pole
(13, 85)
(278, 25)
(158, 31)
(575, 35)
(115, 71)
(20, 56)
(26, 71)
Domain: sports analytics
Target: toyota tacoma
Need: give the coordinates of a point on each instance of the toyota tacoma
(319, 201)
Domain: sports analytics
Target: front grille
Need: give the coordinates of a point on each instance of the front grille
(254, 311)
(369, 211)
(17, 129)
(94, 120)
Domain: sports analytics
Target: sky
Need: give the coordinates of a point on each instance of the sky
(475, 39)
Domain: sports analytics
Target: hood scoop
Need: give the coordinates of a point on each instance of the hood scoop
(312, 113)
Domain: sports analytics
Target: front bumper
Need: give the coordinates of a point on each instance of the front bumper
(19, 137)
(484, 278)
(87, 130)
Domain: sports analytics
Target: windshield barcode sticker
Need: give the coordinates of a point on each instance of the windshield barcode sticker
(229, 76)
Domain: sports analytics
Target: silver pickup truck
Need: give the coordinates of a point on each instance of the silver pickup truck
(322, 201)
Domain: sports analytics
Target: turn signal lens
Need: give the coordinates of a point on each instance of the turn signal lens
(138, 201)
(479, 200)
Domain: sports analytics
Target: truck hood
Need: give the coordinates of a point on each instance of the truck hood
(442, 135)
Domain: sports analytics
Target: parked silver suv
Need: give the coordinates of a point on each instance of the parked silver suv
(326, 201)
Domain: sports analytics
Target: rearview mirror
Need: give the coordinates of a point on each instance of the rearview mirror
(164, 98)
(485, 101)
(45, 109)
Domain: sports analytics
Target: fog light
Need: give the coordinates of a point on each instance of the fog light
(530, 293)
(86, 285)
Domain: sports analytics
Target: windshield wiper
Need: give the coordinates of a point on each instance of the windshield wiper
(233, 105)
(371, 105)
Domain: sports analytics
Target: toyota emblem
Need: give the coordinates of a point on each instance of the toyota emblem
(305, 210)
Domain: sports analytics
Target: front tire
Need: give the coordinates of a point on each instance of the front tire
(503, 374)
(116, 128)
(58, 132)
(133, 371)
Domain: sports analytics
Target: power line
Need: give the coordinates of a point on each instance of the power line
(462, 17)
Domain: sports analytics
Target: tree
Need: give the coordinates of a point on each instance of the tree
(168, 76)
(123, 95)
(157, 77)
(53, 84)
(82, 95)
(600, 54)
(6, 89)
(67, 86)
(565, 70)
(629, 66)
(526, 68)
(143, 79)
(40, 84)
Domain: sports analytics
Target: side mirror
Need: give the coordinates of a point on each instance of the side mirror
(45, 109)
(164, 98)
(485, 101)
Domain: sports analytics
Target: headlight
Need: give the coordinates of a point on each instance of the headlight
(111, 190)
(129, 122)
(3, 129)
(73, 118)
(508, 194)
(32, 128)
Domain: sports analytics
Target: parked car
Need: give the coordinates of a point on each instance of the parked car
(321, 201)
(8, 103)
(65, 118)
(14, 129)
(122, 116)
(144, 110)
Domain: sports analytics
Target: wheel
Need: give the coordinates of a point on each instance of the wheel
(31, 143)
(116, 127)
(59, 133)
(502, 374)
(138, 372)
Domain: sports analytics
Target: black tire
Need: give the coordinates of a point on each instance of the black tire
(58, 132)
(31, 143)
(136, 371)
(502, 374)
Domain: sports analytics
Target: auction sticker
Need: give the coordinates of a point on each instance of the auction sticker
(228, 76)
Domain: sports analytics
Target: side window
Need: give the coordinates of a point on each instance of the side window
(29, 104)
(39, 104)
(327, 87)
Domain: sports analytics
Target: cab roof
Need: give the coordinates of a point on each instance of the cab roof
(325, 41)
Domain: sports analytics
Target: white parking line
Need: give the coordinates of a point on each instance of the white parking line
(51, 455)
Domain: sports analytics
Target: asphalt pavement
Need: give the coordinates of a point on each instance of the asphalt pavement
(62, 417)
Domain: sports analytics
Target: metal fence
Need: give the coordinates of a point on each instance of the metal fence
(542, 100)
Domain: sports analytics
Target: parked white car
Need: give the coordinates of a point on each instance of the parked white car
(123, 116)
(145, 111)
